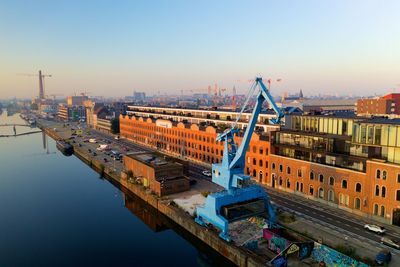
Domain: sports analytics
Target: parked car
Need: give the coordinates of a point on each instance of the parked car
(389, 242)
(383, 257)
(206, 173)
(375, 228)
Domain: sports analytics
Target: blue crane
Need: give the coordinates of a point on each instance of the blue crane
(240, 198)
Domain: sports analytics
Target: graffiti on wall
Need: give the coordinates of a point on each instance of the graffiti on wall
(332, 257)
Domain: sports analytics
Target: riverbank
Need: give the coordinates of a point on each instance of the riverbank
(235, 254)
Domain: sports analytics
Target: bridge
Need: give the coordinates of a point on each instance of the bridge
(15, 135)
(14, 124)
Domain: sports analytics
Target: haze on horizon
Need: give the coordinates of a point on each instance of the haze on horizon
(114, 47)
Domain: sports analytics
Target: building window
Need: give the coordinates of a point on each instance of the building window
(377, 190)
(398, 177)
(331, 196)
(280, 181)
(331, 180)
(344, 184)
(357, 203)
(273, 166)
(383, 193)
(287, 183)
(260, 163)
(376, 209)
(321, 193)
(311, 175)
(398, 195)
(382, 211)
(321, 178)
(288, 170)
(260, 176)
(311, 190)
(344, 199)
(358, 187)
(254, 173)
(378, 174)
(261, 151)
(280, 168)
(384, 174)
(299, 173)
(297, 186)
(266, 164)
(254, 161)
(254, 149)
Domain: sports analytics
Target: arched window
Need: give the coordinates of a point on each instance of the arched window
(344, 184)
(254, 173)
(311, 190)
(331, 196)
(377, 190)
(384, 174)
(378, 174)
(321, 178)
(273, 166)
(358, 187)
(376, 209)
(398, 195)
(383, 192)
(297, 186)
(321, 193)
(280, 168)
(288, 170)
(280, 181)
(311, 175)
(382, 211)
(357, 203)
(331, 180)
(260, 177)
(299, 173)
(287, 183)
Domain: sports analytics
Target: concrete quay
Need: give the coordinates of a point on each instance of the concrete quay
(237, 255)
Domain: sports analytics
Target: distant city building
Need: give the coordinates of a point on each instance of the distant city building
(386, 105)
(139, 96)
(76, 100)
(71, 113)
(323, 105)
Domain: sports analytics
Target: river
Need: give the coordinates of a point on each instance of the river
(56, 211)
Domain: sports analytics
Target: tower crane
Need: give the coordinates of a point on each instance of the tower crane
(41, 81)
(240, 198)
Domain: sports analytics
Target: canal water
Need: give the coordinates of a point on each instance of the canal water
(56, 211)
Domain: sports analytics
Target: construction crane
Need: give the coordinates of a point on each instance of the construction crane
(240, 199)
(41, 81)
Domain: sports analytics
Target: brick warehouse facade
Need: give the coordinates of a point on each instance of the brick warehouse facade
(338, 170)
(193, 143)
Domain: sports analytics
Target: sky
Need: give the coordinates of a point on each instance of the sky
(111, 48)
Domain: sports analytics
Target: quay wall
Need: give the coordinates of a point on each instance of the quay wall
(237, 255)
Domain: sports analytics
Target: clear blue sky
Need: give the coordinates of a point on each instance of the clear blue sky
(115, 47)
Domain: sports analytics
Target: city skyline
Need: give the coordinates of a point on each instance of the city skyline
(112, 49)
